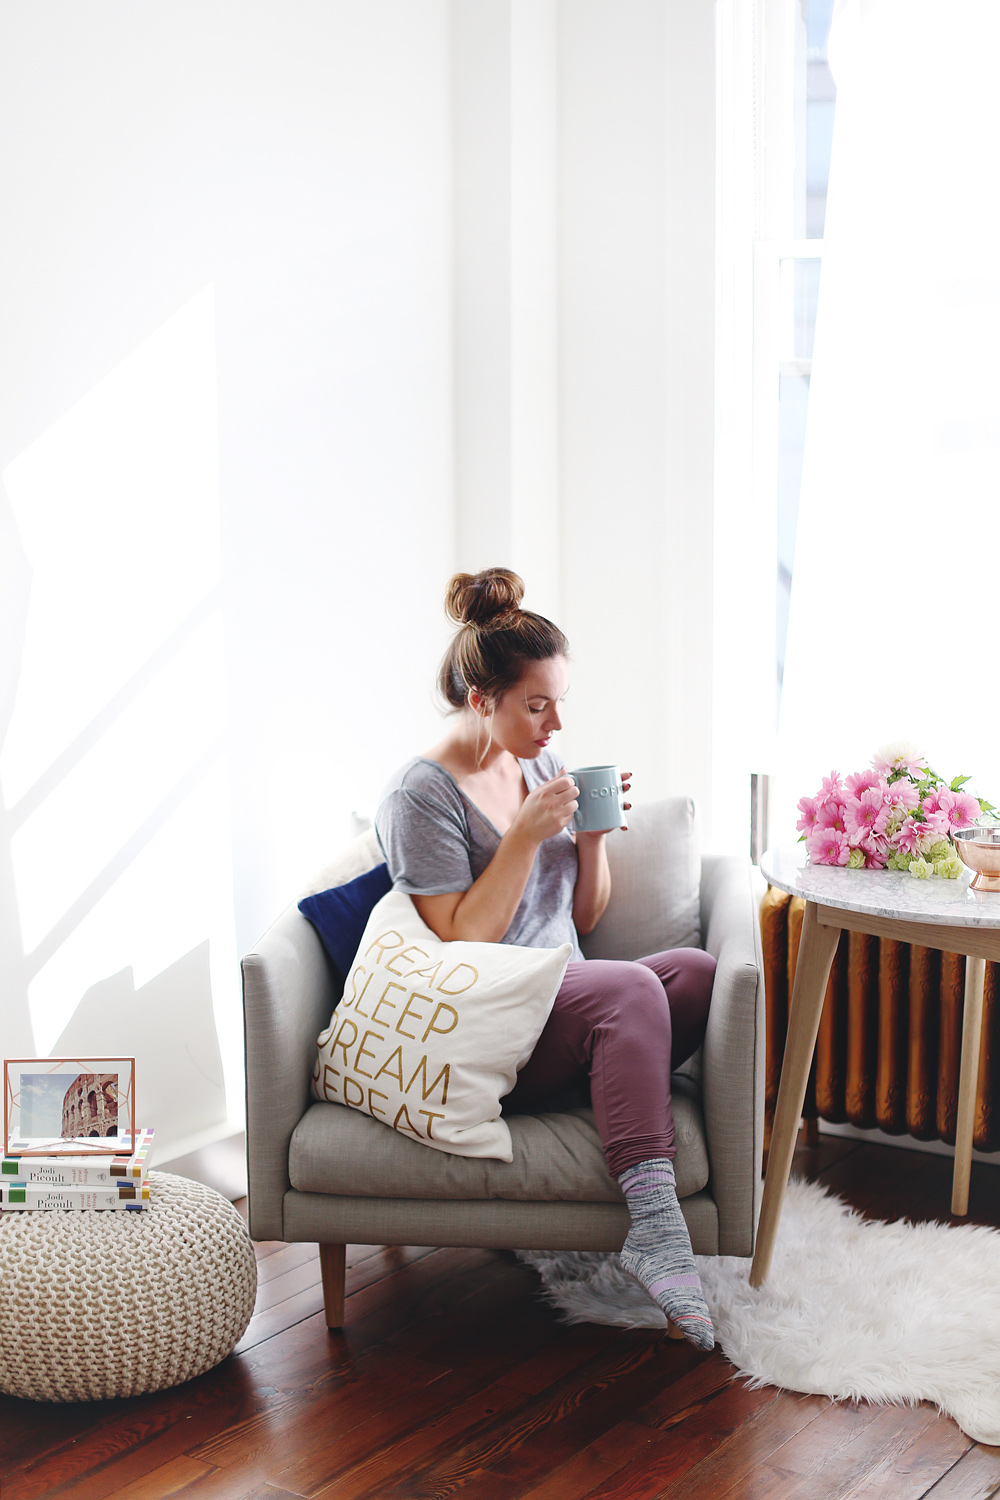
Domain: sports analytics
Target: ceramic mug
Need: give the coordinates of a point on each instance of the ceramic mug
(601, 799)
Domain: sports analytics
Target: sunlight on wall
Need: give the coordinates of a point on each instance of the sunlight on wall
(113, 771)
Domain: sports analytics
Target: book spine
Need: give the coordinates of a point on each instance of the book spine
(57, 1174)
(75, 1171)
(135, 1166)
(28, 1196)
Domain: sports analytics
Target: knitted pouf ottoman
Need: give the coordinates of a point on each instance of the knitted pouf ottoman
(101, 1303)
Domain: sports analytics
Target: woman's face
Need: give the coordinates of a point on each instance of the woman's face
(527, 715)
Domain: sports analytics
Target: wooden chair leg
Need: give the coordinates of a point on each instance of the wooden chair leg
(968, 1078)
(333, 1267)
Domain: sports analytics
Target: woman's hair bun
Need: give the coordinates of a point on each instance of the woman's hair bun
(478, 598)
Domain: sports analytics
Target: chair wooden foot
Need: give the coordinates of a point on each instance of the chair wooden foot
(673, 1332)
(333, 1269)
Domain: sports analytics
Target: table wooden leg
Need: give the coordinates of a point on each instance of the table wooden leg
(817, 946)
(968, 1077)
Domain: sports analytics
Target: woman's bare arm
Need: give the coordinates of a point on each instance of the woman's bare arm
(593, 883)
(484, 912)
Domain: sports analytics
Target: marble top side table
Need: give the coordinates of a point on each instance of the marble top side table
(934, 913)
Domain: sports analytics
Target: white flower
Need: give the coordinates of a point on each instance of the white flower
(900, 755)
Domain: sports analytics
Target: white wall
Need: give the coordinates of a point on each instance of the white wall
(637, 414)
(452, 263)
(585, 423)
(295, 158)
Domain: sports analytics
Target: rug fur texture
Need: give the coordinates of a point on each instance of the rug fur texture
(852, 1309)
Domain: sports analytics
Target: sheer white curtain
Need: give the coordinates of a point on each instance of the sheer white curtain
(894, 623)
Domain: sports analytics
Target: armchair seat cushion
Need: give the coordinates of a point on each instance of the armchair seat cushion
(557, 1157)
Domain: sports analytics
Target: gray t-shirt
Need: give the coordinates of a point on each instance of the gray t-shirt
(435, 841)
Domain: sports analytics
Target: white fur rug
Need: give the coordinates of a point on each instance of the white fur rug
(852, 1308)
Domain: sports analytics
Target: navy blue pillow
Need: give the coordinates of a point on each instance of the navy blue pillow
(340, 915)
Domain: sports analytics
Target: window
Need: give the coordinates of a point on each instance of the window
(796, 120)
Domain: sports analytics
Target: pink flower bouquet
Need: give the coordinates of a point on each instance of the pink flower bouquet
(899, 815)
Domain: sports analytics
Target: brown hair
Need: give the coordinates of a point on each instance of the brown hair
(496, 638)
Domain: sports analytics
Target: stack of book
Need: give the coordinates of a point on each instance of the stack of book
(79, 1182)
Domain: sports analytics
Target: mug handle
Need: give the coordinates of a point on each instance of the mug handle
(576, 815)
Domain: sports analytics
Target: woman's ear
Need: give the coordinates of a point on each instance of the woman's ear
(479, 703)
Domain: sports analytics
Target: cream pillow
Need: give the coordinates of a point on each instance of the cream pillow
(428, 1036)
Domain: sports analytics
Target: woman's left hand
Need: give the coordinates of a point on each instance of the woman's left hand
(603, 833)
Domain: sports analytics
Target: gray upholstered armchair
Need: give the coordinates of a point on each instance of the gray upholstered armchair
(328, 1173)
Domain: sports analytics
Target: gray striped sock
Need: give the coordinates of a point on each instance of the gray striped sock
(657, 1251)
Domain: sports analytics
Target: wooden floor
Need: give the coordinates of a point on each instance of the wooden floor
(452, 1378)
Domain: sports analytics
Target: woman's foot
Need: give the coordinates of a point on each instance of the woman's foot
(657, 1251)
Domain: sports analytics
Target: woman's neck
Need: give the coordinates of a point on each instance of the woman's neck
(468, 748)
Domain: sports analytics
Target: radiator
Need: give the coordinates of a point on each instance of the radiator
(890, 1034)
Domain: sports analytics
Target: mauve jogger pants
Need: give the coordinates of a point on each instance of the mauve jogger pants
(627, 1025)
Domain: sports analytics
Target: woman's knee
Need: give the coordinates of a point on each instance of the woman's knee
(698, 965)
(644, 993)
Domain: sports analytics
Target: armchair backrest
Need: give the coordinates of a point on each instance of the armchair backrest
(655, 881)
(655, 884)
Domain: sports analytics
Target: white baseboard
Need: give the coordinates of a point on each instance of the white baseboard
(908, 1142)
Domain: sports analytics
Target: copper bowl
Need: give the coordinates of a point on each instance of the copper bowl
(979, 848)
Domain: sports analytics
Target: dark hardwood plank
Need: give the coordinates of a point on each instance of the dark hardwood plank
(393, 1308)
(694, 1436)
(28, 1428)
(213, 1484)
(839, 1450)
(499, 1346)
(627, 1443)
(289, 1282)
(564, 1348)
(908, 1473)
(408, 1409)
(178, 1476)
(143, 1434)
(313, 1418)
(976, 1476)
(702, 1383)
(264, 1248)
(302, 1274)
(811, 1161)
(393, 1461)
(876, 1180)
(723, 1471)
(553, 1426)
(377, 1294)
(264, 1325)
(282, 1259)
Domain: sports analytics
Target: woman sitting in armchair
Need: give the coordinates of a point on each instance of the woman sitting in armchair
(478, 832)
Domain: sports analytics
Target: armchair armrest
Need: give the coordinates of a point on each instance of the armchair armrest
(289, 991)
(733, 1065)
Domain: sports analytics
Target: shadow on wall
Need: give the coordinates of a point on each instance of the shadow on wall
(15, 589)
(115, 859)
(114, 1019)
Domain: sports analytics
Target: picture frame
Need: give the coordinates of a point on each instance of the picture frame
(68, 1106)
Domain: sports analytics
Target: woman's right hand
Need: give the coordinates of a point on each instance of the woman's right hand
(548, 809)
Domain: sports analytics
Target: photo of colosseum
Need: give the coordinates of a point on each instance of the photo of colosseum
(90, 1106)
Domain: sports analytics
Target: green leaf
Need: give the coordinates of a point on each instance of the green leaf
(958, 782)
